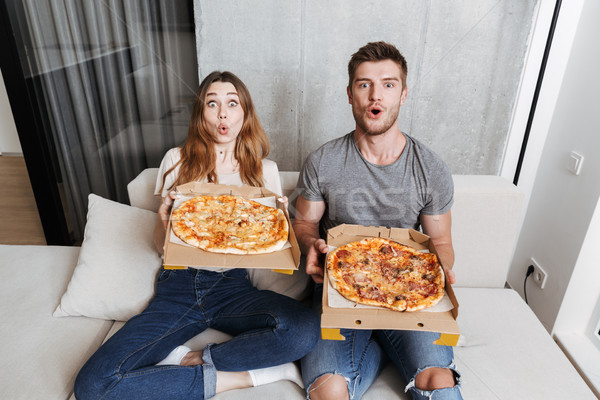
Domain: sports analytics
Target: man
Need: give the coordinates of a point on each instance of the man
(375, 176)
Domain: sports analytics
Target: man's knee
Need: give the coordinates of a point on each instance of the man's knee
(435, 378)
(329, 387)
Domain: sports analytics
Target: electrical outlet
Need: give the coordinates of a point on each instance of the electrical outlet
(539, 276)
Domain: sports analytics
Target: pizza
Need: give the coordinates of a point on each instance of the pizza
(381, 272)
(230, 224)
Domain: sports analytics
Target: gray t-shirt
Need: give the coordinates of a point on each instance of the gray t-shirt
(359, 192)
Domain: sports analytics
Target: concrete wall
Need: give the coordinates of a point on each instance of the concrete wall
(465, 61)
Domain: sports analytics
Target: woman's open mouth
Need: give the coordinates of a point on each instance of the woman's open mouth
(223, 129)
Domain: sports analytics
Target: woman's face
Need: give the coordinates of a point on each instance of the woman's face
(223, 113)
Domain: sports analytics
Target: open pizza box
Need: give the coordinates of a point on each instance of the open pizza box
(340, 313)
(179, 255)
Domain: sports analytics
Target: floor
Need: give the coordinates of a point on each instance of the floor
(18, 211)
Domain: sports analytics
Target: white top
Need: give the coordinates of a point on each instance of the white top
(270, 174)
(270, 177)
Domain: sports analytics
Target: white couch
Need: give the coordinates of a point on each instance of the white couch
(504, 351)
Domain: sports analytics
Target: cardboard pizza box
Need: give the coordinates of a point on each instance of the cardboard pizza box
(181, 256)
(333, 318)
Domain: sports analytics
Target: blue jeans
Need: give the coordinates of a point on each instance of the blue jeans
(268, 328)
(361, 357)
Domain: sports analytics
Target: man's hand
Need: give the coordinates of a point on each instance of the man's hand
(315, 260)
(450, 275)
(306, 227)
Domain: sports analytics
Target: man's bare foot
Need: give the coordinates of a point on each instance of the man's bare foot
(192, 358)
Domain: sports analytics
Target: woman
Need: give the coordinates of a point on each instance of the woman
(226, 144)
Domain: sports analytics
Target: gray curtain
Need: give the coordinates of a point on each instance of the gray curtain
(117, 79)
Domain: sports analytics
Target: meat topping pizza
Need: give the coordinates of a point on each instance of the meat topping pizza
(381, 272)
(230, 224)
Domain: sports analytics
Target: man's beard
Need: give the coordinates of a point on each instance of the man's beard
(391, 119)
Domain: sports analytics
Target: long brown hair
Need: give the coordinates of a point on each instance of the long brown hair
(198, 152)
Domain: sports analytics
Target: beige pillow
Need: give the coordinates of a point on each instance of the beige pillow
(115, 275)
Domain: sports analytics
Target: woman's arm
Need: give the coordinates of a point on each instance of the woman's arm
(159, 237)
(163, 220)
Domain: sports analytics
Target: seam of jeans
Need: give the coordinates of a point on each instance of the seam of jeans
(148, 345)
(396, 353)
(205, 292)
(120, 377)
(370, 343)
(274, 317)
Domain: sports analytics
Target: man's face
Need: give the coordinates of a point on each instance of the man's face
(376, 96)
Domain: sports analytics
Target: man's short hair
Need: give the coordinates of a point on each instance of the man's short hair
(377, 51)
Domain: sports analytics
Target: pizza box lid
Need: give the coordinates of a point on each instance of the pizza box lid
(179, 256)
(333, 318)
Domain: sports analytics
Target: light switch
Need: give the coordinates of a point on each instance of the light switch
(575, 162)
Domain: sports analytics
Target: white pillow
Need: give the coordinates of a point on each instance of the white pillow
(115, 275)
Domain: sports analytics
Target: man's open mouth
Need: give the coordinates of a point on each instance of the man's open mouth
(375, 111)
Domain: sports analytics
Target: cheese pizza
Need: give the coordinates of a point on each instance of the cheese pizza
(230, 224)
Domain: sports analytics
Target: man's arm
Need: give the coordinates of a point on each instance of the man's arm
(306, 228)
(438, 228)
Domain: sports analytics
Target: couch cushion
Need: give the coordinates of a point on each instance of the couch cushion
(141, 190)
(507, 353)
(41, 355)
(486, 217)
(117, 267)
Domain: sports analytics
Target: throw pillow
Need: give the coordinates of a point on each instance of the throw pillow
(115, 275)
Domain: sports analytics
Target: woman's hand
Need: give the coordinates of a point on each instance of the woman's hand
(165, 207)
(283, 200)
(160, 228)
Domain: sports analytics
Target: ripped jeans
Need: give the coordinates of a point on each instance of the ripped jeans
(361, 357)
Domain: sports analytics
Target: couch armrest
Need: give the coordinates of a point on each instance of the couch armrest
(486, 217)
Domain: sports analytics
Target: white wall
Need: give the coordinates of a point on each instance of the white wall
(9, 140)
(561, 204)
(580, 309)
